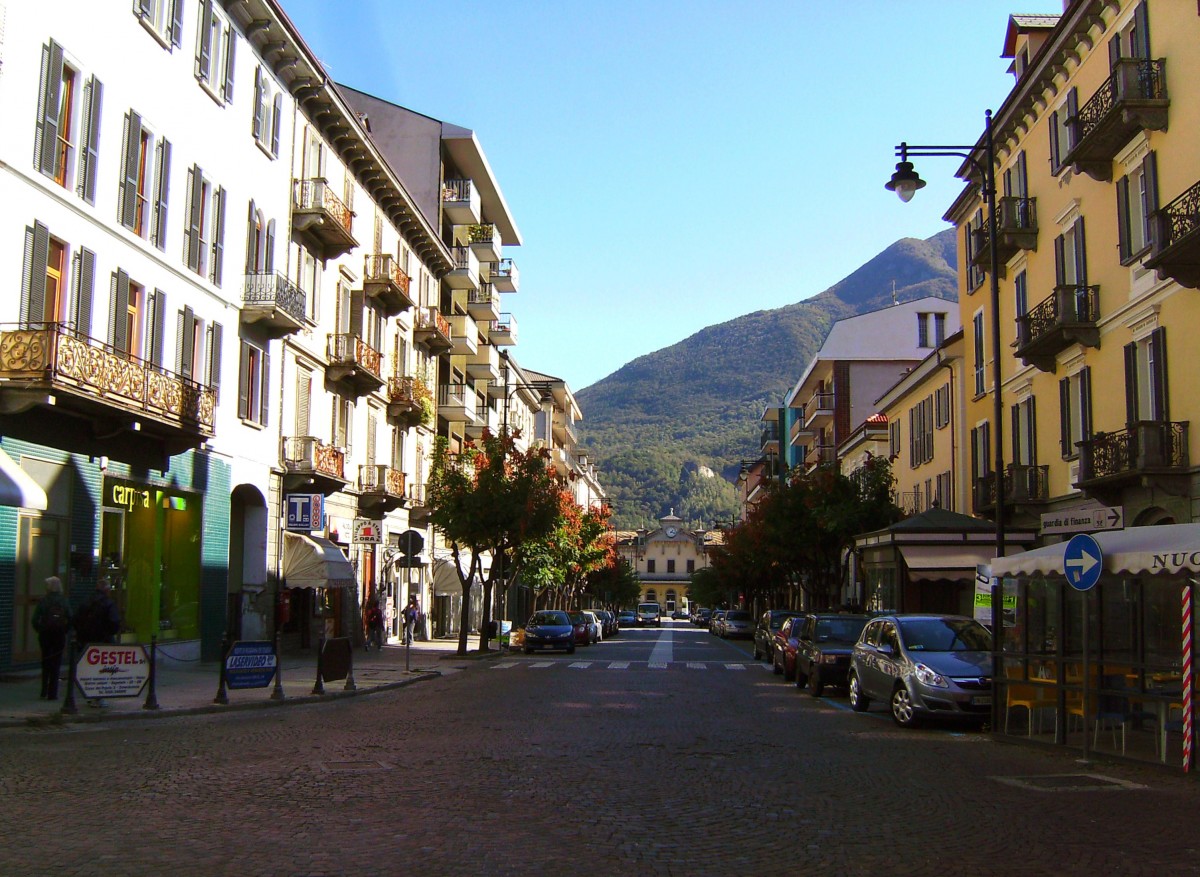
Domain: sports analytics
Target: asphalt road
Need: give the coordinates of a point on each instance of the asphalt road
(659, 752)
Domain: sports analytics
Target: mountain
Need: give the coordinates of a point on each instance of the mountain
(669, 429)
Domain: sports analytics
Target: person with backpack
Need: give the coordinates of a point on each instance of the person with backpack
(412, 614)
(373, 616)
(51, 620)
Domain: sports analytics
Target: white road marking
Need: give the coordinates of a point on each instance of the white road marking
(697, 665)
(504, 665)
(735, 666)
(582, 665)
(664, 649)
(540, 664)
(656, 665)
(618, 665)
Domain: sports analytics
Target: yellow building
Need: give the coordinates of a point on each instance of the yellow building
(665, 558)
(1098, 208)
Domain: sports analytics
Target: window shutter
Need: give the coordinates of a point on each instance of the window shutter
(1158, 350)
(129, 176)
(1131, 400)
(258, 104)
(1141, 24)
(219, 237)
(1080, 254)
(303, 400)
(357, 303)
(192, 239)
(158, 327)
(85, 284)
(27, 275)
(1016, 433)
(1060, 261)
(161, 191)
(1032, 429)
(269, 256)
(1053, 128)
(185, 342)
(372, 437)
(39, 256)
(251, 240)
(214, 357)
(230, 49)
(1124, 247)
(91, 141)
(1064, 417)
(1085, 402)
(204, 50)
(975, 471)
(244, 380)
(1114, 51)
(1022, 176)
(264, 394)
(177, 23)
(118, 335)
(276, 119)
(1150, 169)
(46, 143)
(1072, 118)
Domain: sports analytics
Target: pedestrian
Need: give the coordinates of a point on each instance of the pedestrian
(98, 621)
(373, 618)
(52, 620)
(412, 613)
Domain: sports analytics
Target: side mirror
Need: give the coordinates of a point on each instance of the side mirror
(885, 649)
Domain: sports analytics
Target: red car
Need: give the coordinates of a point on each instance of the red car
(584, 632)
(783, 655)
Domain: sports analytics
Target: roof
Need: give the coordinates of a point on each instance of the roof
(1025, 22)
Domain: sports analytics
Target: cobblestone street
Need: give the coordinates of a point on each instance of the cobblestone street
(696, 761)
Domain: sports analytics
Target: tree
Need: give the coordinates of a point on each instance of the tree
(615, 583)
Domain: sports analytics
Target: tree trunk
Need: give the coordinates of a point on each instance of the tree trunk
(464, 615)
(488, 587)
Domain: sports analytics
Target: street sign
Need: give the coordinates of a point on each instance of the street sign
(250, 664)
(1083, 562)
(106, 670)
(1084, 520)
(305, 511)
(368, 531)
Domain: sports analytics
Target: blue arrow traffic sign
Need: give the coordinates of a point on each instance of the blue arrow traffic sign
(1083, 562)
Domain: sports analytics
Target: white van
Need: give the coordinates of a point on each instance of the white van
(649, 613)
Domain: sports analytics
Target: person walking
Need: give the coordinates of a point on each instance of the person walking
(373, 617)
(52, 620)
(412, 613)
(98, 621)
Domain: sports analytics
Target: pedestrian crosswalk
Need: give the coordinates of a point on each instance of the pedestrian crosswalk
(626, 665)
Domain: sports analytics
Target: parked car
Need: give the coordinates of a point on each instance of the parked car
(783, 653)
(649, 613)
(737, 624)
(585, 630)
(714, 621)
(766, 628)
(923, 665)
(608, 621)
(702, 617)
(678, 615)
(549, 629)
(823, 650)
(597, 625)
(627, 618)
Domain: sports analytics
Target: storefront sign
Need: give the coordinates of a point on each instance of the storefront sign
(305, 511)
(983, 598)
(367, 531)
(250, 665)
(112, 670)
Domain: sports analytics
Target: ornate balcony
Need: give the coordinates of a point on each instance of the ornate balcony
(1016, 230)
(321, 215)
(1151, 453)
(1132, 99)
(311, 465)
(380, 489)
(485, 241)
(456, 402)
(503, 332)
(387, 284)
(1176, 252)
(1067, 317)
(464, 269)
(432, 330)
(505, 277)
(461, 202)
(353, 364)
(1024, 485)
(274, 303)
(464, 335)
(484, 303)
(52, 380)
(410, 402)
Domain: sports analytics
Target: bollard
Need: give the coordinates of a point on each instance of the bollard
(350, 686)
(319, 688)
(151, 695)
(69, 706)
(222, 696)
(407, 655)
(277, 694)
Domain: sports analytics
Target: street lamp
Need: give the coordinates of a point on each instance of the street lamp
(905, 182)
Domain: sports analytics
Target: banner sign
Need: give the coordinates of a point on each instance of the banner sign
(250, 664)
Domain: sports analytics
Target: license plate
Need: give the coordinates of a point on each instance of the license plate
(981, 700)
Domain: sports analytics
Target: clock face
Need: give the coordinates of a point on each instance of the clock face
(671, 531)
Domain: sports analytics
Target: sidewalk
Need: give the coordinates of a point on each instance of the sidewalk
(189, 689)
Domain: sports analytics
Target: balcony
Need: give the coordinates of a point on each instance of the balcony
(818, 408)
(798, 433)
(484, 303)
(1016, 230)
(464, 269)
(503, 332)
(1148, 453)
(482, 418)
(505, 277)
(410, 402)
(461, 202)
(1024, 485)
(321, 215)
(311, 465)
(418, 504)
(1132, 99)
(1176, 253)
(464, 335)
(432, 330)
(484, 364)
(485, 241)
(353, 364)
(387, 284)
(380, 489)
(274, 303)
(456, 402)
(54, 382)
(820, 455)
(768, 440)
(1067, 317)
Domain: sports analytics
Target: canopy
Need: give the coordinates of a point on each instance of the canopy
(314, 562)
(17, 488)
(949, 561)
(1165, 549)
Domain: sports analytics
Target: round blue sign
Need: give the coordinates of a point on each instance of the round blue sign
(1083, 562)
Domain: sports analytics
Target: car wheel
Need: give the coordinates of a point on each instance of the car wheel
(788, 675)
(903, 711)
(775, 668)
(757, 653)
(858, 700)
(571, 649)
(815, 686)
(801, 678)
(529, 650)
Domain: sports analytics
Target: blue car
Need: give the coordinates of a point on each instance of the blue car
(549, 629)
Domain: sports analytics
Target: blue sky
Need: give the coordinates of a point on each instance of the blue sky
(673, 165)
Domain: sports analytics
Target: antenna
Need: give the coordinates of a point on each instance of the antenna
(894, 302)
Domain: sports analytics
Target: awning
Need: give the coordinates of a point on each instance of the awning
(945, 562)
(314, 562)
(1161, 550)
(17, 488)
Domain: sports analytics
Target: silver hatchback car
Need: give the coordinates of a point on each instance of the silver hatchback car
(923, 665)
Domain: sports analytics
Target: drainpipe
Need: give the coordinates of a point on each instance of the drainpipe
(953, 426)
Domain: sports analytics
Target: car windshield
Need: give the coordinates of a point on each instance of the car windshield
(845, 630)
(945, 635)
(578, 618)
(737, 616)
(777, 620)
(543, 618)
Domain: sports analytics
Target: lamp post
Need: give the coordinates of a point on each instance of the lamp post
(905, 182)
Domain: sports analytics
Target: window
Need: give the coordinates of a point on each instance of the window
(304, 379)
(1075, 411)
(163, 18)
(1024, 433)
(146, 161)
(343, 413)
(927, 322)
(213, 375)
(1137, 200)
(1062, 130)
(372, 434)
(308, 279)
(1070, 265)
(204, 241)
(1146, 379)
(922, 330)
(253, 383)
(939, 329)
(1133, 40)
(268, 116)
(670, 566)
(126, 315)
(981, 455)
(974, 272)
(1021, 296)
(941, 406)
(650, 568)
(894, 438)
(260, 242)
(189, 344)
(920, 432)
(215, 45)
(691, 566)
(942, 495)
(83, 281)
(980, 383)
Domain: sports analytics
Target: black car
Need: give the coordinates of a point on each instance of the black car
(823, 649)
(764, 632)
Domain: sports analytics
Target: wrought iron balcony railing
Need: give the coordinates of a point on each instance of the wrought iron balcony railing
(1132, 99)
(377, 479)
(306, 454)
(1176, 251)
(1068, 316)
(345, 349)
(1144, 448)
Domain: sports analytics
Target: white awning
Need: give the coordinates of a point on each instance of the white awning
(949, 561)
(17, 488)
(314, 562)
(1161, 550)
